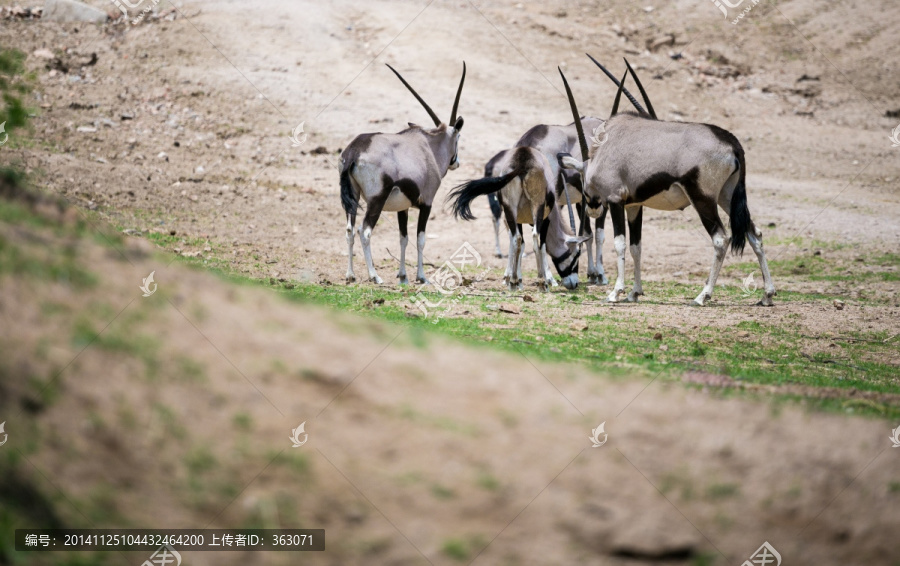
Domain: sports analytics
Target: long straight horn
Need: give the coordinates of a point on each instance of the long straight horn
(437, 121)
(634, 102)
(581, 142)
(615, 108)
(456, 102)
(641, 88)
(578, 127)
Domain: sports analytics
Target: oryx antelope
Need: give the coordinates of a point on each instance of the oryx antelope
(668, 166)
(396, 172)
(527, 184)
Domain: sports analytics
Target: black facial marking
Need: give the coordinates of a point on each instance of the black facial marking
(573, 265)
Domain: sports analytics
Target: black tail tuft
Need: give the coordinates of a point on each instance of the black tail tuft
(463, 195)
(739, 213)
(350, 204)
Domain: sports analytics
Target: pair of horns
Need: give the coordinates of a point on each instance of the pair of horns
(434, 118)
(582, 142)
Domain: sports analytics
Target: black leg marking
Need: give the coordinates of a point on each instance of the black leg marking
(634, 227)
(402, 219)
(424, 213)
(585, 220)
(617, 214)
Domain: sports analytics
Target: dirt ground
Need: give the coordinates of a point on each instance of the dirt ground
(192, 118)
(181, 129)
(420, 450)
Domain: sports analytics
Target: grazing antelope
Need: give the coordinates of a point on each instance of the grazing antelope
(527, 183)
(396, 172)
(668, 166)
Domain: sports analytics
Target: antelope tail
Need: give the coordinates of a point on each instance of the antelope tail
(462, 196)
(739, 214)
(349, 203)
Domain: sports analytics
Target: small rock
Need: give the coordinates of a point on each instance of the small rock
(743, 334)
(839, 305)
(528, 298)
(511, 309)
(321, 150)
(657, 336)
(664, 347)
(86, 129)
(44, 54)
(578, 326)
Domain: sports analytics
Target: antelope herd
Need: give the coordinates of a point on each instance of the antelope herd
(634, 161)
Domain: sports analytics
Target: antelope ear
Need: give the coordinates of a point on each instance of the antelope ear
(459, 124)
(566, 161)
(575, 240)
(412, 125)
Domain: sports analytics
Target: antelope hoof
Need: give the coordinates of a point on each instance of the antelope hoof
(498, 253)
(604, 280)
(351, 278)
(376, 280)
(701, 299)
(423, 281)
(616, 295)
(404, 280)
(766, 301)
(593, 278)
(633, 296)
(512, 285)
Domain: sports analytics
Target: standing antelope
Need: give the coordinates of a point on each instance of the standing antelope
(396, 172)
(668, 166)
